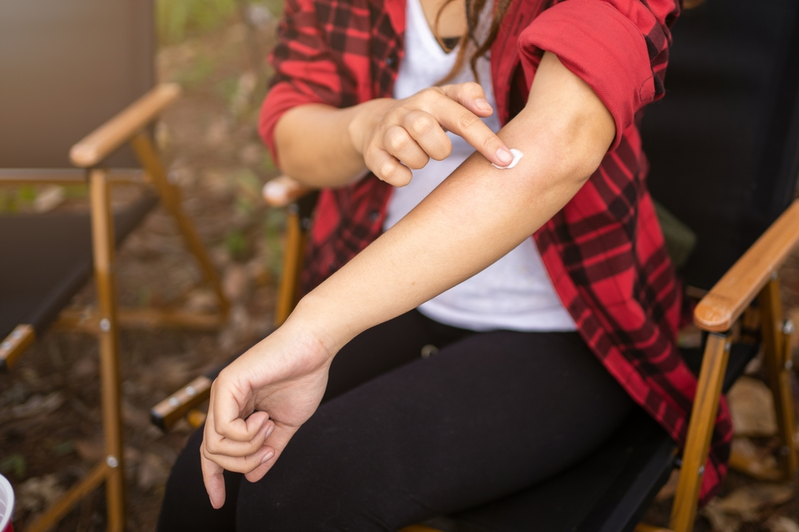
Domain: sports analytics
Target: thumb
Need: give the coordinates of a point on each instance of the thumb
(277, 441)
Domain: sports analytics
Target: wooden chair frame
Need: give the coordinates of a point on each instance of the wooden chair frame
(129, 126)
(752, 277)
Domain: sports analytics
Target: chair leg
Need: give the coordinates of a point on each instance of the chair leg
(700, 429)
(777, 354)
(170, 197)
(292, 263)
(103, 247)
(112, 468)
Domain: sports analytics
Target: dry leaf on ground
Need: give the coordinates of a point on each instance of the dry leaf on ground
(752, 408)
(720, 521)
(748, 501)
(38, 405)
(49, 198)
(38, 492)
(781, 524)
(753, 460)
(670, 488)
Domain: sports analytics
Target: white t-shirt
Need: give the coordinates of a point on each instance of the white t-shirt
(513, 293)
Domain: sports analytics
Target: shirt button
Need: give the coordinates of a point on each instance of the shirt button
(374, 215)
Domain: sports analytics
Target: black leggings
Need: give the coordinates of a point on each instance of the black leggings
(401, 438)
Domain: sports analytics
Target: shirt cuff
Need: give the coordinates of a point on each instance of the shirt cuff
(602, 47)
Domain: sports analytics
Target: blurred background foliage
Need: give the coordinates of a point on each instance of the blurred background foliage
(177, 19)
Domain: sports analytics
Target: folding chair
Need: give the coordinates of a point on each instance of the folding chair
(724, 153)
(66, 68)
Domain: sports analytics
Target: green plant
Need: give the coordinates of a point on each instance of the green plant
(176, 18)
(14, 463)
(236, 245)
(274, 226)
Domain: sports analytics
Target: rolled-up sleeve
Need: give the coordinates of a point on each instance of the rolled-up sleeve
(306, 69)
(618, 47)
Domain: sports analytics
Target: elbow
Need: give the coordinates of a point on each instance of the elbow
(577, 151)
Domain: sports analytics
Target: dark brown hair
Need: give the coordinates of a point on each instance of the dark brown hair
(473, 10)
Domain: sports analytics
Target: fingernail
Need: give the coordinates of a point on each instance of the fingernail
(504, 156)
(268, 456)
(269, 431)
(482, 104)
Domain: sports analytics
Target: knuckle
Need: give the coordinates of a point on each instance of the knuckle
(467, 120)
(395, 115)
(490, 142)
(396, 142)
(385, 171)
(422, 124)
(430, 94)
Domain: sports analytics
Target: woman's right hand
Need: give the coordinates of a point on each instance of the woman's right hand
(395, 136)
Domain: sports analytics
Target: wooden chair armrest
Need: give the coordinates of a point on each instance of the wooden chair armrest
(165, 414)
(725, 302)
(100, 143)
(283, 191)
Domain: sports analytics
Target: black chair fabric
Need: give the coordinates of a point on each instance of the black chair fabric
(47, 258)
(723, 142)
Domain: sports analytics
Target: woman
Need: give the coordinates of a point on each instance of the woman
(539, 354)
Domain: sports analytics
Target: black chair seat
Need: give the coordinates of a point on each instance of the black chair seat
(47, 258)
(606, 492)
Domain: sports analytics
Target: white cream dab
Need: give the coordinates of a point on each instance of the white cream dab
(517, 155)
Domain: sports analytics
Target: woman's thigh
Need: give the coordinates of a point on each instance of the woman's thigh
(488, 415)
(373, 352)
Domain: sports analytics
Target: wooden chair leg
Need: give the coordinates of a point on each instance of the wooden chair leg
(700, 429)
(292, 264)
(105, 278)
(170, 196)
(112, 468)
(777, 354)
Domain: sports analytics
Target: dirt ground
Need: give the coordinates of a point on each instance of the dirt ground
(50, 429)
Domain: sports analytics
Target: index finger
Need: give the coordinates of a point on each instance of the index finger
(214, 481)
(228, 419)
(464, 123)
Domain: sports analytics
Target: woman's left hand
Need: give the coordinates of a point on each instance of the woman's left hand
(257, 404)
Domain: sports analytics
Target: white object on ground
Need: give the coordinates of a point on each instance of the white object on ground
(6, 502)
(516, 156)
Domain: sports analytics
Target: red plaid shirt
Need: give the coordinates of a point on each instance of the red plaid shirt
(604, 250)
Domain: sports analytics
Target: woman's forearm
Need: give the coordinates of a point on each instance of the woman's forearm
(475, 216)
(314, 145)
(327, 147)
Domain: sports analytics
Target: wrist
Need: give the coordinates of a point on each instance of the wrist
(364, 120)
(321, 323)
